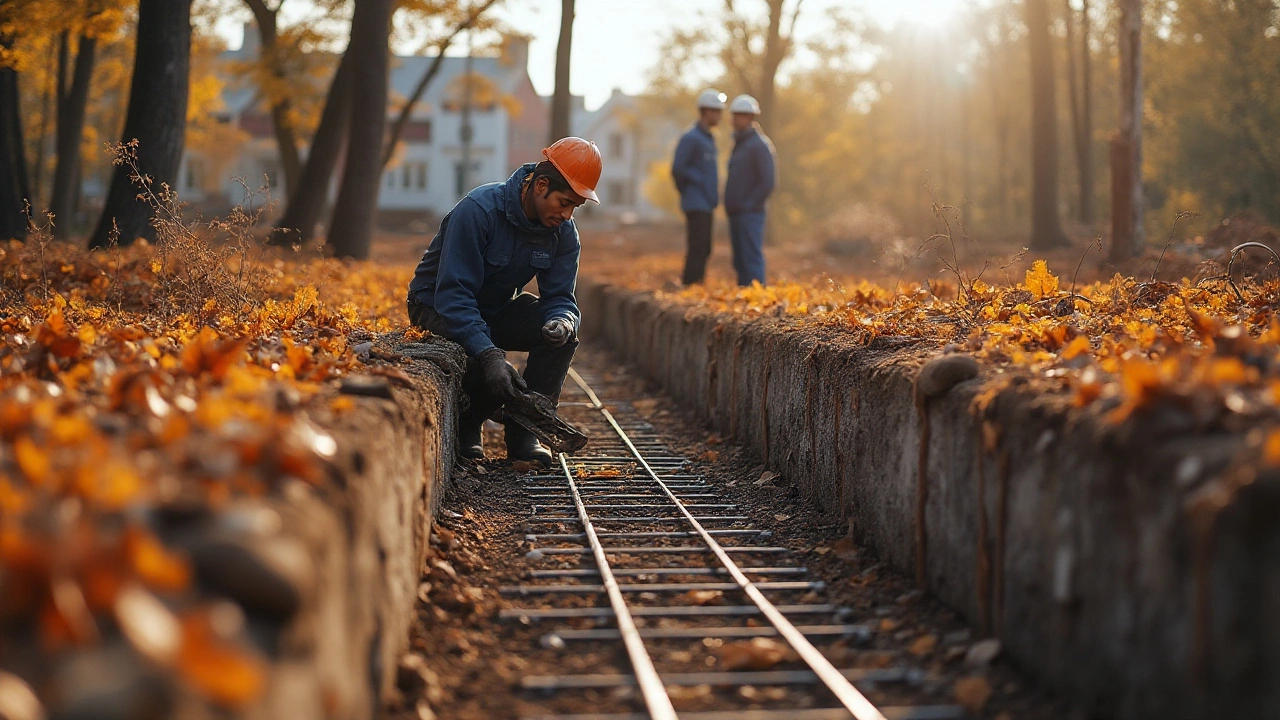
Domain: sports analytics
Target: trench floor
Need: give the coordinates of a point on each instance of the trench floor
(466, 663)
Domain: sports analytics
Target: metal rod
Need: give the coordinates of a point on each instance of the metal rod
(673, 611)
(686, 679)
(616, 506)
(592, 572)
(656, 587)
(926, 712)
(657, 533)
(651, 687)
(693, 633)
(854, 701)
(659, 550)
(647, 519)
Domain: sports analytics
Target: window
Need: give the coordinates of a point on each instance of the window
(413, 176)
(391, 178)
(420, 177)
(191, 175)
(618, 193)
(617, 144)
(406, 176)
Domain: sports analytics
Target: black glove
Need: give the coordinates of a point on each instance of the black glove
(558, 331)
(499, 376)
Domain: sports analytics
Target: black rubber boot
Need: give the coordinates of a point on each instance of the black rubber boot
(471, 438)
(522, 445)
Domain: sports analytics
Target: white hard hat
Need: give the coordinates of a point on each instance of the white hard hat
(711, 99)
(745, 104)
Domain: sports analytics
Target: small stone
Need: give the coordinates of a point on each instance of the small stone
(982, 653)
(108, 683)
(267, 577)
(147, 624)
(552, 641)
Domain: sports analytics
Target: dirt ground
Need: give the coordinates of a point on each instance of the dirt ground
(467, 663)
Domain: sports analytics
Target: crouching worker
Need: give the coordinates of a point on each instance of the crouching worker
(468, 286)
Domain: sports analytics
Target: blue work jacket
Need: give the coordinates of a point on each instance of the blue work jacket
(751, 173)
(485, 251)
(695, 171)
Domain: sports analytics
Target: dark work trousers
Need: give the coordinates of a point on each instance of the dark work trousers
(698, 229)
(518, 327)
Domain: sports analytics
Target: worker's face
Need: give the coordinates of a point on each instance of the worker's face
(554, 208)
(742, 121)
(711, 117)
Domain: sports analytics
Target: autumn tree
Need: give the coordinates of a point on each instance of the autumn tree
(156, 118)
(1046, 228)
(275, 83)
(352, 232)
(561, 109)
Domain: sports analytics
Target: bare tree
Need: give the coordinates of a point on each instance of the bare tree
(1126, 144)
(156, 116)
(406, 112)
(72, 103)
(757, 71)
(560, 100)
(266, 17)
(353, 214)
(1046, 228)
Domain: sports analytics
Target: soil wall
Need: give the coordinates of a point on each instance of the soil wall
(1071, 540)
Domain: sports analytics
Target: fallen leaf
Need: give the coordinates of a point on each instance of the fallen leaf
(766, 477)
(781, 517)
(226, 673)
(710, 456)
(982, 653)
(704, 597)
(753, 654)
(924, 645)
(972, 692)
(888, 625)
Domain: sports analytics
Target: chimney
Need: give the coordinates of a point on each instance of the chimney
(252, 40)
(515, 50)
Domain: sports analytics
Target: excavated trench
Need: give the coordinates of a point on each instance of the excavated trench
(1126, 568)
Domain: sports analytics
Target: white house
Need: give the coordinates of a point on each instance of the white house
(426, 176)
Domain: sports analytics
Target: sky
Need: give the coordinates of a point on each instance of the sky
(616, 43)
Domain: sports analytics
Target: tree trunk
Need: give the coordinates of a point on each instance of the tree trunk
(309, 197)
(156, 117)
(1084, 140)
(1046, 228)
(1073, 95)
(561, 100)
(14, 189)
(353, 214)
(1126, 149)
(281, 107)
(71, 112)
(774, 52)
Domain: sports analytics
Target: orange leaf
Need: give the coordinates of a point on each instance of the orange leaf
(154, 564)
(33, 461)
(219, 670)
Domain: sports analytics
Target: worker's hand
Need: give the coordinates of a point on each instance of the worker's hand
(558, 331)
(499, 376)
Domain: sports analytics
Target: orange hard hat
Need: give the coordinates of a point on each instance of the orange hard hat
(578, 161)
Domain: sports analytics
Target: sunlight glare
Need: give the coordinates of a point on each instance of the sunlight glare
(926, 13)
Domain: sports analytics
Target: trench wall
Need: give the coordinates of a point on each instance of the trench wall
(353, 548)
(1068, 539)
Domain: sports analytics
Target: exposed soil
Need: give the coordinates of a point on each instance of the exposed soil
(468, 663)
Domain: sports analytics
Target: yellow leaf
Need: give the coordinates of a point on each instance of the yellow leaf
(1077, 347)
(1040, 281)
(1271, 449)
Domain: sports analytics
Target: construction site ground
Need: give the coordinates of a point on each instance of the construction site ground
(466, 663)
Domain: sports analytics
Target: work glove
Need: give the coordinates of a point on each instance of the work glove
(499, 376)
(558, 331)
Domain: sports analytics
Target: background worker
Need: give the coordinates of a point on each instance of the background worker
(697, 178)
(747, 189)
(467, 286)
